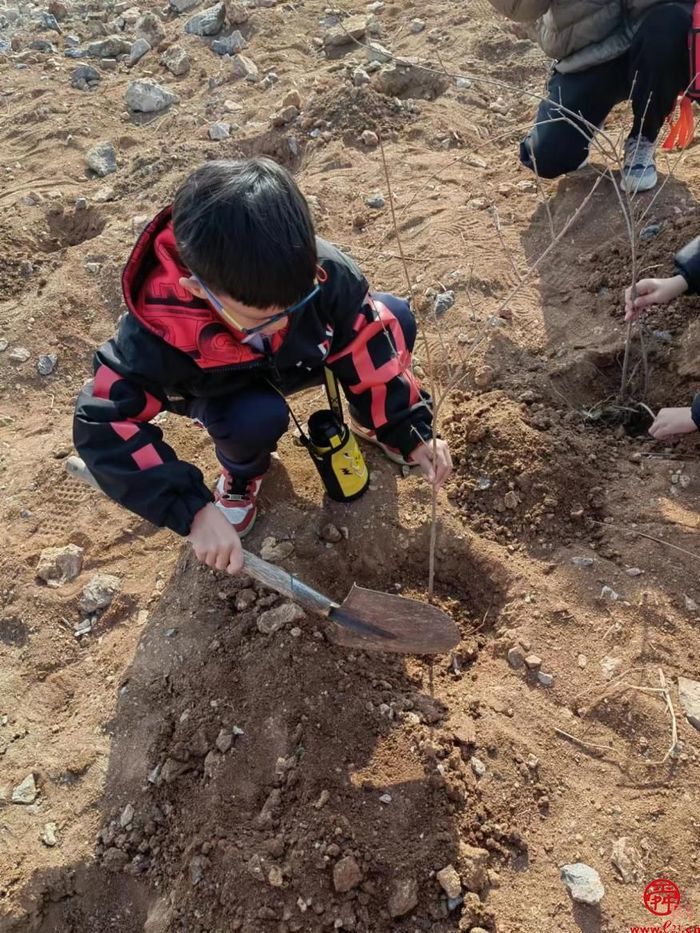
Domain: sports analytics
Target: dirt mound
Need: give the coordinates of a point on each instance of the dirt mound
(349, 111)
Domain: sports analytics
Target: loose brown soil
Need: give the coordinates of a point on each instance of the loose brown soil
(341, 753)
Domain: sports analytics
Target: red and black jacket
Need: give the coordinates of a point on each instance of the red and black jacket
(171, 348)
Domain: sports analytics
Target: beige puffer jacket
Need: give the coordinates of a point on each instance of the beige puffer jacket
(580, 33)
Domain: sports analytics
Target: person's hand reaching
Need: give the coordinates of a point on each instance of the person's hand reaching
(653, 292)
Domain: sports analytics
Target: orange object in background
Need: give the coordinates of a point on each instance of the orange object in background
(682, 130)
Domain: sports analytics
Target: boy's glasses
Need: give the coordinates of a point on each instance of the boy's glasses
(249, 331)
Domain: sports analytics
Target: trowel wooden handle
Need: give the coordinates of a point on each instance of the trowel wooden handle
(268, 574)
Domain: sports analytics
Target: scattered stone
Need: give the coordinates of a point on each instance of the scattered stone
(26, 792)
(207, 23)
(285, 116)
(196, 869)
(609, 593)
(274, 550)
(230, 44)
(145, 96)
(346, 875)
(85, 77)
(416, 26)
(473, 866)
(403, 897)
(377, 54)
(689, 695)
(650, 231)
(43, 45)
(533, 662)
(546, 680)
(582, 661)
(628, 861)
(583, 883)
(610, 666)
(323, 799)
(224, 740)
(4, 344)
(354, 27)
(482, 378)
(464, 731)
(276, 618)
(370, 138)
(183, 6)
(48, 835)
(360, 77)
(109, 47)
(115, 859)
(150, 28)
(375, 201)
(449, 881)
(516, 658)
(237, 13)
(50, 22)
(46, 364)
(443, 302)
(478, 767)
(691, 605)
(99, 592)
(245, 599)
(275, 877)
(176, 60)
(582, 561)
(634, 572)
(19, 355)
(331, 533)
(244, 67)
(59, 565)
(102, 159)
(126, 816)
(385, 799)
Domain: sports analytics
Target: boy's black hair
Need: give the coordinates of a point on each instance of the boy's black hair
(244, 228)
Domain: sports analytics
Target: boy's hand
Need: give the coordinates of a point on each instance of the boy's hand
(423, 455)
(653, 292)
(672, 421)
(215, 541)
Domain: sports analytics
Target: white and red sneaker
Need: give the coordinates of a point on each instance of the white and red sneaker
(367, 434)
(237, 499)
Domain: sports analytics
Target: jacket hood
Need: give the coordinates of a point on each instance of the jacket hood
(153, 294)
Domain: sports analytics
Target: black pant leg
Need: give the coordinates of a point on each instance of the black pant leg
(555, 145)
(659, 66)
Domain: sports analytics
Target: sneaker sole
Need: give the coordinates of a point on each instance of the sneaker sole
(247, 530)
(640, 187)
(368, 439)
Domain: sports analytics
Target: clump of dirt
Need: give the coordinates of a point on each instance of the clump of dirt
(348, 111)
(520, 469)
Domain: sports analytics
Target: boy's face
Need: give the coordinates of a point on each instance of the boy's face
(235, 313)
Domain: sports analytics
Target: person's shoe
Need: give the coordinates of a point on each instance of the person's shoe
(639, 168)
(367, 434)
(237, 500)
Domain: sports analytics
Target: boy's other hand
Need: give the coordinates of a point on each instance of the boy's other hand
(215, 541)
(653, 292)
(672, 421)
(436, 473)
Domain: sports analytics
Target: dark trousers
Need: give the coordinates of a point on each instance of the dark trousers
(653, 72)
(246, 426)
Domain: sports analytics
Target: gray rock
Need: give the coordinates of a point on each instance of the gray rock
(478, 767)
(145, 96)
(285, 116)
(582, 561)
(516, 658)
(48, 835)
(628, 861)
(354, 27)
(244, 67)
(377, 53)
(26, 792)
(219, 130)
(207, 23)
(360, 77)
(229, 45)
(46, 364)
(196, 869)
(19, 355)
(689, 695)
(546, 680)
(276, 618)
(403, 897)
(533, 662)
(5, 47)
(369, 138)
(150, 28)
(43, 45)
(75, 53)
(102, 159)
(71, 42)
(126, 816)
(331, 533)
(473, 866)
(183, 6)
(443, 302)
(110, 47)
(99, 592)
(649, 232)
(59, 565)
(224, 740)
(274, 550)
(583, 883)
(85, 77)
(416, 26)
(138, 50)
(50, 21)
(375, 201)
(237, 13)
(176, 60)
